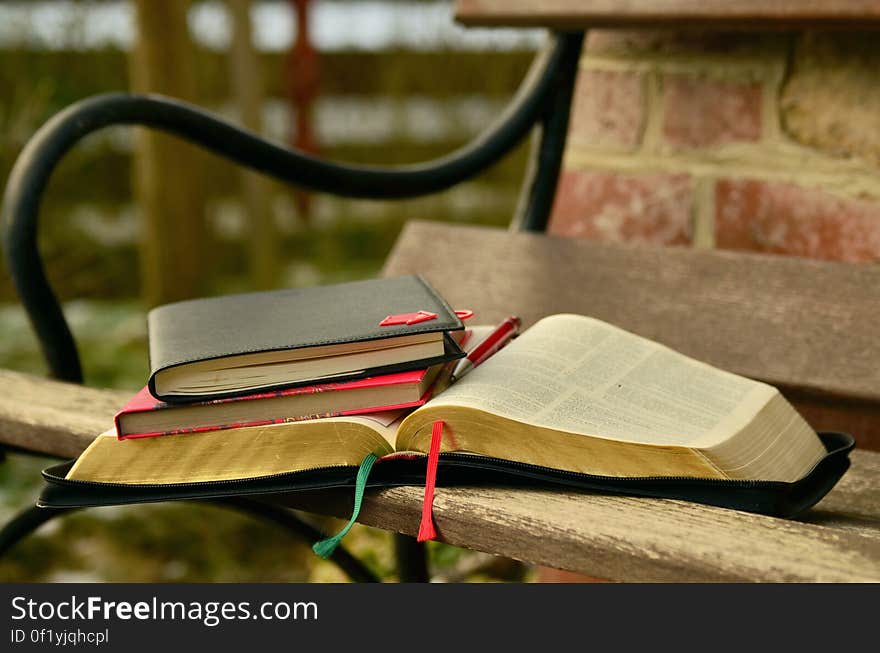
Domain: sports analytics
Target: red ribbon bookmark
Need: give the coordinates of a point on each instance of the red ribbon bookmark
(426, 527)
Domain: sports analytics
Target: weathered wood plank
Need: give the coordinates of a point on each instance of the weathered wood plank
(615, 537)
(806, 326)
(50, 417)
(751, 14)
(854, 504)
(634, 539)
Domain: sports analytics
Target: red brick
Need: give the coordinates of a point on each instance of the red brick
(785, 218)
(608, 109)
(643, 208)
(701, 112)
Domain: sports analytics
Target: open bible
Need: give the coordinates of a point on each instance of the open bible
(571, 393)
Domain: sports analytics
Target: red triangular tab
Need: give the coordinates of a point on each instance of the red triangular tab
(408, 318)
(422, 316)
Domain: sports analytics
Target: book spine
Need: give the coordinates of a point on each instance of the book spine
(220, 427)
(267, 422)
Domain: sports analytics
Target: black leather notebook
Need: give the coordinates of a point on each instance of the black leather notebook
(235, 345)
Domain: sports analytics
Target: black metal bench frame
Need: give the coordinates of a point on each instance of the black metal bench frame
(543, 100)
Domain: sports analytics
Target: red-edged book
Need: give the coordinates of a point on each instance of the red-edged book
(145, 416)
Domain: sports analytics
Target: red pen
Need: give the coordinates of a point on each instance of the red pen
(502, 334)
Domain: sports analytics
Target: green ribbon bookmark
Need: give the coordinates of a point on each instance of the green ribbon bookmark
(325, 548)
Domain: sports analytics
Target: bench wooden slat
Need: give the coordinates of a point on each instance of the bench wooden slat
(54, 418)
(634, 539)
(806, 326)
(753, 14)
(623, 538)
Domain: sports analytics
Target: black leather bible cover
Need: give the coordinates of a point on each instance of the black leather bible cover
(764, 497)
(225, 326)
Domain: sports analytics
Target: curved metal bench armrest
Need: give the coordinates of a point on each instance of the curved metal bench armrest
(539, 187)
(36, 162)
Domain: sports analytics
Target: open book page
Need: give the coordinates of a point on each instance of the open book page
(581, 375)
(237, 453)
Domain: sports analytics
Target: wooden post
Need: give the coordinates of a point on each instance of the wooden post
(168, 175)
(244, 72)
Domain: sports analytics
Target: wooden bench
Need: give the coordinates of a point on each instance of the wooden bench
(587, 14)
(803, 325)
(692, 300)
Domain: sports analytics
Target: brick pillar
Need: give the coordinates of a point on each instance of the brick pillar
(763, 142)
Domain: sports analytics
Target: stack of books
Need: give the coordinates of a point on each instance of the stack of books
(291, 355)
(287, 390)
